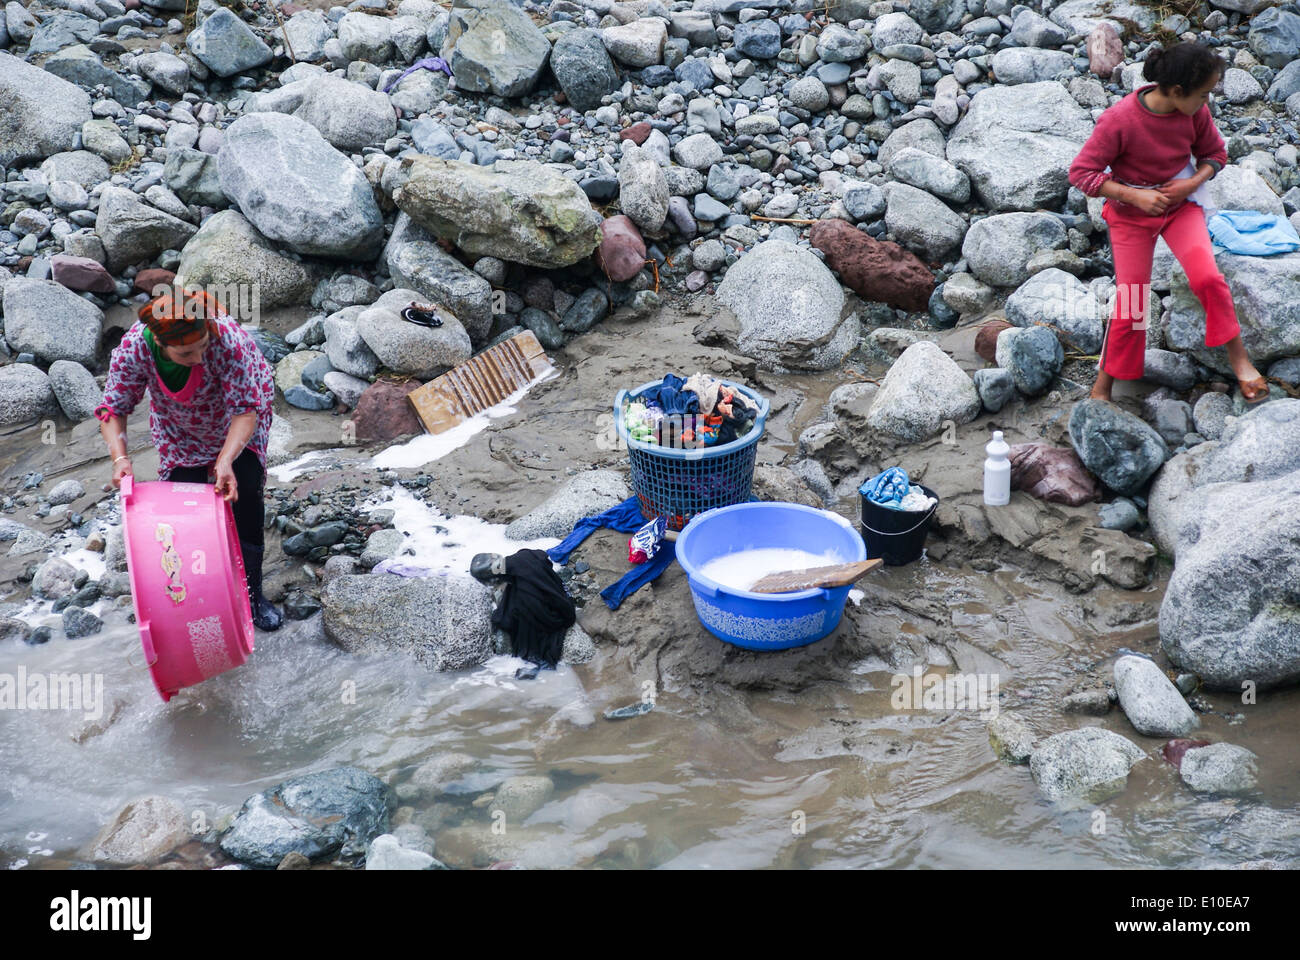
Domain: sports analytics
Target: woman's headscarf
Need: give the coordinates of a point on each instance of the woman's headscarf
(179, 322)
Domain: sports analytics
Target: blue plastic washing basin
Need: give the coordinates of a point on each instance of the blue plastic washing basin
(766, 621)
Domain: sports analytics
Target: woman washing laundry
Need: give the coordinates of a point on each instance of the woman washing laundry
(1134, 158)
(211, 393)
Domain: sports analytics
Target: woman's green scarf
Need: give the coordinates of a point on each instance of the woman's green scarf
(174, 375)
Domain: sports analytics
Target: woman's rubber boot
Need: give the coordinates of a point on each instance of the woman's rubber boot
(265, 615)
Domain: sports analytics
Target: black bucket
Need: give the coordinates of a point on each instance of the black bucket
(896, 535)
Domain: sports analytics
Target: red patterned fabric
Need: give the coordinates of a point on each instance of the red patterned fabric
(189, 427)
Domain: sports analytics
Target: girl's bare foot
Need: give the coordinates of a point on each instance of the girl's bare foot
(1101, 388)
(1250, 381)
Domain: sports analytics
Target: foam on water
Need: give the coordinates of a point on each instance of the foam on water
(743, 569)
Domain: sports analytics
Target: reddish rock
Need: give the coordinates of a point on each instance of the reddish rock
(384, 413)
(1053, 474)
(637, 133)
(131, 4)
(289, 9)
(1173, 750)
(147, 280)
(81, 273)
(621, 253)
(875, 270)
(986, 341)
(1105, 50)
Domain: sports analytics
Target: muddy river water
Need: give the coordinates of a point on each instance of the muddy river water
(820, 771)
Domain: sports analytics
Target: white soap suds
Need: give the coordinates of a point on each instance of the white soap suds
(743, 569)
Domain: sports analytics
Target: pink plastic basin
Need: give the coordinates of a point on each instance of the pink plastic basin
(187, 581)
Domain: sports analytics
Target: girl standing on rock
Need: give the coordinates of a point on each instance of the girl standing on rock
(1138, 148)
(210, 393)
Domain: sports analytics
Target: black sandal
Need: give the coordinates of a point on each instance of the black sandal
(424, 314)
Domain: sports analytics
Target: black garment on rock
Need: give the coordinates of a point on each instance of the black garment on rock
(535, 611)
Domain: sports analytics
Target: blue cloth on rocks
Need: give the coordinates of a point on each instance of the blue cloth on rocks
(1252, 233)
(436, 64)
(887, 488)
(625, 518)
(671, 397)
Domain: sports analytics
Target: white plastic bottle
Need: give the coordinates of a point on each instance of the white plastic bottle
(997, 472)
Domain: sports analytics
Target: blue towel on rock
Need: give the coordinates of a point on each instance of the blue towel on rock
(1252, 233)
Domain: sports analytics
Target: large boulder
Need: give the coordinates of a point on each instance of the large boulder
(298, 190)
(333, 812)
(1016, 143)
(1014, 65)
(1121, 449)
(409, 348)
(349, 115)
(1266, 292)
(790, 308)
(876, 270)
(133, 231)
(1124, 16)
(1060, 300)
(494, 47)
(922, 222)
(443, 622)
(75, 388)
(514, 210)
(1230, 611)
(308, 31)
(228, 250)
(1090, 764)
(582, 495)
(76, 166)
(363, 36)
(998, 249)
(40, 114)
(80, 65)
(49, 320)
(1262, 445)
(1238, 188)
(25, 395)
(436, 275)
(923, 389)
(1274, 37)
(583, 68)
(227, 45)
(924, 170)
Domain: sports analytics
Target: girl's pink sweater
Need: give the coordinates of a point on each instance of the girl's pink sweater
(1145, 148)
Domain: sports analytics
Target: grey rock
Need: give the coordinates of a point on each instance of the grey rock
(133, 232)
(790, 308)
(515, 210)
(1032, 355)
(298, 190)
(638, 44)
(80, 622)
(1010, 739)
(1119, 515)
(228, 250)
(643, 189)
(346, 350)
(1274, 37)
(922, 222)
(1168, 369)
(864, 202)
(226, 45)
(166, 70)
(49, 320)
(583, 68)
(1210, 415)
(43, 113)
(331, 813)
(1015, 65)
(1119, 448)
(1173, 421)
(387, 853)
(494, 47)
(838, 44)
(996, 388)
(77, 166)
(520, 797)
(408, 348)
(920, 134)
(1060, 300)
(435, 275)
(443, 622)
(1150, 701)
(143, 831)
(1090, 764)
(923, 389)
(1219, 768)
(698, 151)
(75, 389)
(308, 31)
(54, 579)
(1016, 143)
(348, 115)
(998, 249)
(928, 172)
(585, 492)
(346, 387)
(192, 175)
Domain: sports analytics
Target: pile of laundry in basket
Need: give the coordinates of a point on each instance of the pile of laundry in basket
(701, 411)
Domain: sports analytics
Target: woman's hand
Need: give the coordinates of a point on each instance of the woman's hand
(1151, 202)
(224, 476)
(1176, 191)
(121, 468)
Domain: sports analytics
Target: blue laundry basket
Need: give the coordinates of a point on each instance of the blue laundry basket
(679, 482)
(767, 621)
